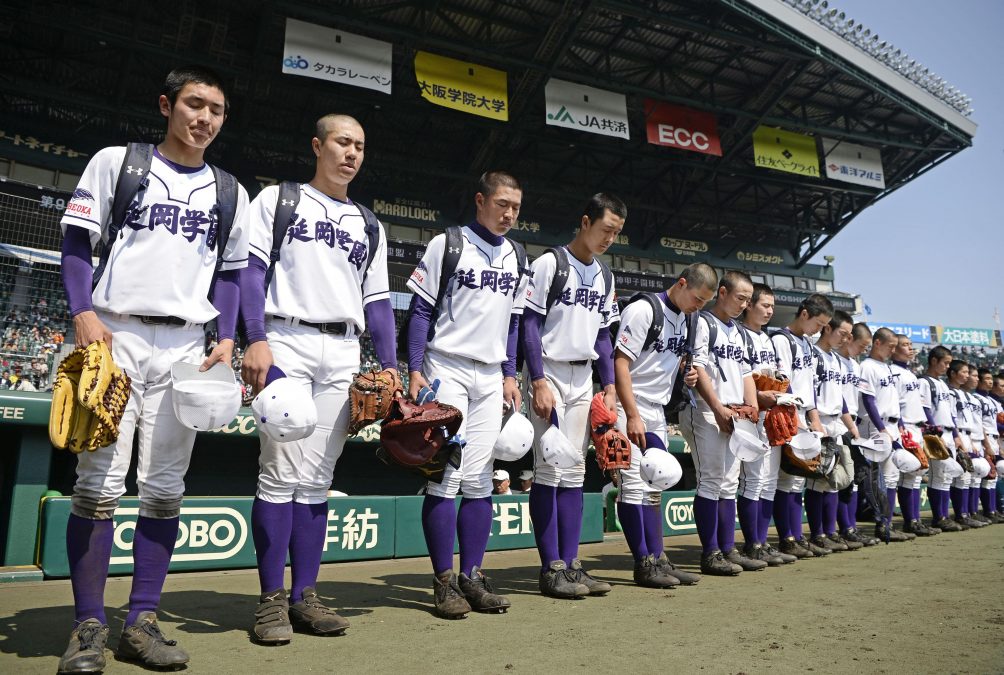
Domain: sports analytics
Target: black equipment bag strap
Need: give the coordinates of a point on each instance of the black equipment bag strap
(132, 178)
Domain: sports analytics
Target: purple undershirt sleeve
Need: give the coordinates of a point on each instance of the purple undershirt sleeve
(930, 417)
(533, 352)
(418, 332)
(76, 269)
(226, 294)
(869, 402)
(511, 345)
(843, 407)
(604, 357)
(252, 283)
(380, 321)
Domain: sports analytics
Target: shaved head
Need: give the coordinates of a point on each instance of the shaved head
(328, 122)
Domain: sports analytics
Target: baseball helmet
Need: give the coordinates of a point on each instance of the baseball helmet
(284, 410)
(745, 441)
(1000, 467)
(981, 467)
(806, 444)
(556, 449)
(658, 468)
(875, 449)
(952, 468)
(515, 438)
(905, 461)
(204, 401)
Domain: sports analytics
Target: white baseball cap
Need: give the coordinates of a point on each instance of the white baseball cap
(952, 468)
(527, 474)
(745, 441)
(556, 449)
(284, 410)
(658, 468)
(905, 461)
(500, 474)
(806, 444)
(515, 438)
(875, 449)
(204, 401)
(1000, 468)
(981, 467)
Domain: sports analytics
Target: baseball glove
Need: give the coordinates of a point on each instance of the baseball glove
(89, 398)
(769, 381)
(963, 458)
(781, 424)
(820, 466)
(745, 412)
(613, 450)
(913, 447)
(370, 396)
(417, 437)
(934, 446)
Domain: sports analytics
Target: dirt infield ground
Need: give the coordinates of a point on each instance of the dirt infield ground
(930, 606)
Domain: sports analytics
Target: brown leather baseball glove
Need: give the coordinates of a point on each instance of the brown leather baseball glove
(781, 424)
(370, 396)
(417, 437)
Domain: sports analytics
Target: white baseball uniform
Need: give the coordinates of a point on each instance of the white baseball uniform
(799, 366)
(653, 372)
(911, 415)
(568, 337)
(965, 424)
(942, 406)
(321, 278)
(989, 410)
(727, 366)
(878, 378)
(161, 265)
(469, 346)
(758, 479)
(830, 405)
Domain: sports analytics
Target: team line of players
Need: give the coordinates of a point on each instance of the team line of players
(327, 287)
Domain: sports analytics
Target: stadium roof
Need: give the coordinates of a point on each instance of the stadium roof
(93, 81)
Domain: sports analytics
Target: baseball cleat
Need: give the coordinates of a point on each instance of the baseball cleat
(849, 545)
(823, 542)
(791, 546)
(980, 517)
(557, 582)
(995, 517)
(770, 550)
(86, 651)
(758, 552)
(715, 564)
(814, 549)
(946, 525)
(311, 616)
(890, 534)
(595, 586)
(747, 564)
(918, 528)
(671, 570)
(144, 642)
(480, 593)
(648, 575)
(450, 600)
(271, 619)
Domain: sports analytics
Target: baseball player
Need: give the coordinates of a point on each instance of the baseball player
(472, 352)
(561, 342)
(312, 336)
(847, 506)
(958, 379)
(991, 408)
(911, 416)
(644, 378)
(796, 360)
(978, 438)
(150, 321)
(998, 395)
(758, 479)
(880, 401)
(821, 498)
(939, 411)
(724, 378)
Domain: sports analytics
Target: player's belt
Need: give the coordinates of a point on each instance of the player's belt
(157, 320)
(578, 363)
(333, 327)
(890, 420)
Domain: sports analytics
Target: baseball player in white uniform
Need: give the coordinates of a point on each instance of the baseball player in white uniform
(758, 479)
(847, 506)
(981, 443)
(644, 377)
(151, 321)
(796, 361)
(880, 404)
(561, 343)
(471, 350)
(724, 378)
(991, 409)
(311, 334)
(958, 380)
(821, 499)
(911, 417)
(939, 410)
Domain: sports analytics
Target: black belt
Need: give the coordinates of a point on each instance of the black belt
(163, 320)
(334, 327)
(578, 363)
(892, 420)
